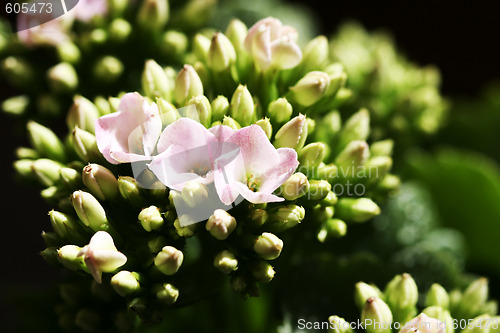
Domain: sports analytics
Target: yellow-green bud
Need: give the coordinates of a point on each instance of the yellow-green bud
(26, 153)
(311, 88)
(66, 227)
(89, 210)
(312, 155)
(18, 71)
(442, 315)
(193, 193)
(130, 190)
(150, 218)
(69, 258)
(356, 209)
(85, 145)
(45, 141)
(108, 69)
(354, 155)
(437, 296)
(402, 296)
(332, 228)
(294, 187)
(46, 171)
(221, 54)
(376, 316)
(262, 271)
(285, 217)
(174, 43)
(62, 77)
(280, 110)
(187, 85)
(236, 32)
(220, 224)
(201, 46)
(68, 52)
(318, 189)
(378, 167)
(266, 126)
(119, 30)
(169, 260)
(473, 298)
(242, 108)
(125, 283)
(167, 294)
(356, 128)
(363, 291)
(226, 262)
(220, 107)
(339, 325)
(268, 246)
(153, 15)
(293, 134)
(228, 121)
(382, 148)
(16, 105)
(315, 54)
(100, 181)
(258, 217)
(83, 114)
(203, 109)
(155, 82)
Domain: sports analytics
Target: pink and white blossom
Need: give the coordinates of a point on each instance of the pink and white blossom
(131, 133)
(33, 31)
(273, 44)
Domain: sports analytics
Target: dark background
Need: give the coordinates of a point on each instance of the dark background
(461, 37)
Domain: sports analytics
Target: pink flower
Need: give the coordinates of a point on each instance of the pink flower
(423, 324)
(85, 10)
(33, 31)
(257, 171)
(272, 44)
(187, 152)
(131, 133)
(101, 255)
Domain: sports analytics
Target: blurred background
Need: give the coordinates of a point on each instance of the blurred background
(457, 170)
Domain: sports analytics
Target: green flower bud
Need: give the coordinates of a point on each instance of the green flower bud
(311, 88)
(285, 217)
(280, 110)
(62, 77)
(154, 81)
(311, 125)
(50, 239)
(153, 15)
(437, 296)
(174, 43)
(169, 260)
(220, 224)
(201, 46)
(66, 227)
(186, 231)
(125, 283)
(315, 54)
(102, 105)
(18, 71)
(490, 308)
(52, 194)
(130, 190)
(329, 126)
(87, 320)
(187, 85)
(220, 107)
(356, 209)
(382, 148)
(262, 271)
(357, 128)
(473, 298)
(268, 246)
(221, 54)
(46, 171)
(236, 32)
(242, 108)
(69, 257)
(100, 181)
(203, 109)
(119, 30)
(480, 324)
(312, 155)
(327, 172)
(26, 153)
(442, 315)
(338, 325)
(150, 218)
(68, 52)
(45, 141)
(293, 134)
(108, 69)
(363, 291)
(82, 114)
(265, 124)
(89, 210)
(167, 294)
(168, 112)
(337, 76)
(330, 199)
(318, 190)
(85, 145)
(378, 167)
(353, 156)
(16, 105)
(376, 316)
(389, 183)
(226, 262)
(402, 296)
(258, 217)
(193, 193)
(332, 228)
(228, 121)
(294, 187)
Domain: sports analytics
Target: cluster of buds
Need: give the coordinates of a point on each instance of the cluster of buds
(404, 99)
(160, 196)
(395, 308)
(87, 50)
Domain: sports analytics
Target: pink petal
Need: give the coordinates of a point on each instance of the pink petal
(186, 133)
(261, 48)
(221, 132)
(226, 175)
(255, 197)
(285, 53)
(280, 172)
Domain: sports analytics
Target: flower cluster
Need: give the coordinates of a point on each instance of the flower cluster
(395, 309)
(234, 141)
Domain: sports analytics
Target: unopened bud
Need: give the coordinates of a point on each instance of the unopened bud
(221, 54)
(221, 224)
(236, 32)
(437, 296)
(16, 105)
(150, 218)
(402, 296)
(155, 82)
(363, 291)
(285, 217)
(119, 30)
(266, 126)
(442, 315)
(312, 155)
(338, 325)
(18, 71)
(125, 283)
(66, 227)
(315, 54)
(85, 145)
(293, 134)
(378, 167)
(228, 121)
(268, 246)
(295, 186)
(356, 209)
(46, 171)
(193, 193)
(382, 148)
(262, 271)
(130, 190)
(473, 298)
(169, 260)
(220, 107)
(258, 217)
(354, 155)
(203, 109)
(201, 46)
(242, 108)
(167, 294)
(280, 110)
(311, 88)
(226, 262)
(318, 190)
(68, 52)
(69, 258)
(62, 77)
(187, 85)
(100, 181)
(83, 114)
(108, 69)
(174, 43)
(377, 316)
(45, 141)
(89, 210)
(356, 128)
(329, 126)
(153, 15)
